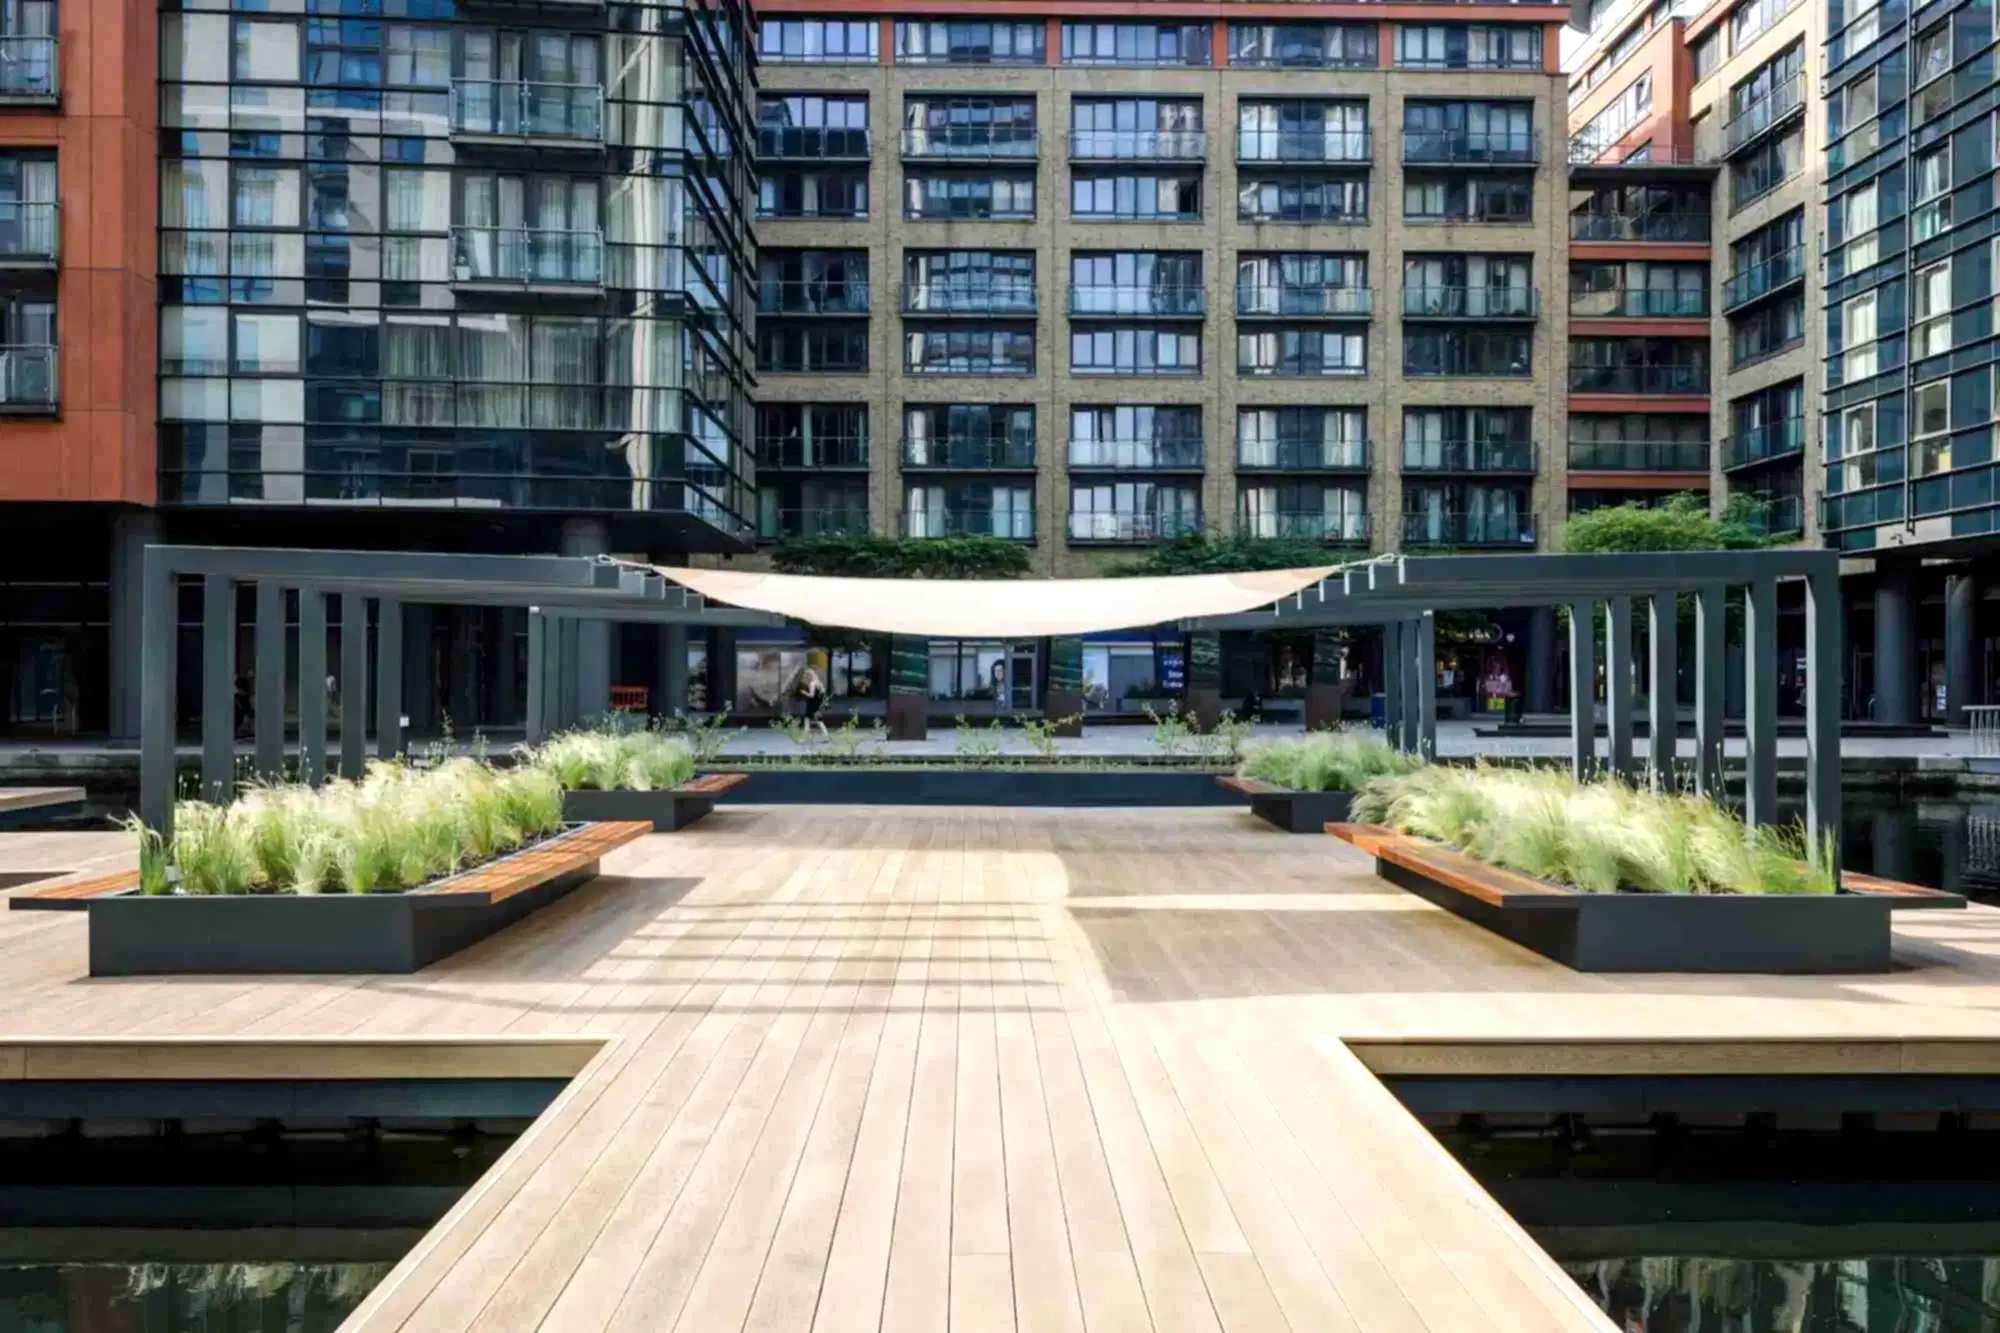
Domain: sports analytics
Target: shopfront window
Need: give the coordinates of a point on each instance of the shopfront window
(990, 675)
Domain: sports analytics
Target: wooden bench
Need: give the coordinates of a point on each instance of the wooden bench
(1909, 897)
(712, 784)
(1493, 885)
(563, 854)
(73, 893)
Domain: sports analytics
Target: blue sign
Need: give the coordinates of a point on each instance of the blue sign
(1173, 668)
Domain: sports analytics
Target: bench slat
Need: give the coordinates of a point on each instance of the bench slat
(81, 889)
(502, 879)
(712, 784)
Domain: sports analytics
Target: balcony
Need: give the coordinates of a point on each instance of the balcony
(539, 115)
(1136, 455)
(1637, 303)
(1282, 300)
(1440, 528)
(1761, 444)
(791, 453)
(1129, 526)
(1309, 525)
(987, 296)
(820, 521)
(1664, 228)
(527, 259)
(1468, 457)
(1767, 113)
(972, 143)
(1138, 300)
(812, 296)
(1016, 525)
(1779, 271)
(30, 71)
(788, 143)
(1138, 145)
(1302, 455)
(1470, 303)
(27, 379)
(1639, 379)
(1781, 516)
(1471, 148)
(967, 453)
(29, 233)
(1303, 145)
(1638, 456)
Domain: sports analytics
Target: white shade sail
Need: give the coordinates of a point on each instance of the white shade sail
(994, 608)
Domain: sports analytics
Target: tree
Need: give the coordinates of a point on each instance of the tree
(865, 556)
(1202, 553)
(1683, 523)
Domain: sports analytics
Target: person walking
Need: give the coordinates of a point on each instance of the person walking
(812, 691)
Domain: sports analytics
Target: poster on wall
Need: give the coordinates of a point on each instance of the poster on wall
(909, 665)
(1173, 668)
(1205, 661)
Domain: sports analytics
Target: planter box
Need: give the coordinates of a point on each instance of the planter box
(1654, 932)
(1289, 809)
(132, 934)
(937, 785)
(668, 810)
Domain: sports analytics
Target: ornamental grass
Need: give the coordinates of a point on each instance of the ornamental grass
(613, 760)
(392, 830)
(1325, 761)
(1599, 837)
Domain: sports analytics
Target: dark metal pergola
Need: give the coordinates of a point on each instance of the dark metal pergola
(559, 592)
(1403, 595)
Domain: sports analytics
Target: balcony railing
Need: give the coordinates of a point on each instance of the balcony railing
(1468, 456)
(1469, 302)
(27, 377)
(1439, 528)
(1011, 524)
(30, 69)
(29, 233)
(1281, 299)
(1303, 145)
(1140, 455)
(1302, 455)
(1153, 300)
(1670, 228)
(1765, 114)
(527, 257)
(1638, 455)
(544, 112)
(812, 296)
(823, 521)
(1652, 146)
(1781, 516)
(1780, 270)
(986, 296)
(965, 453)
(1638, 379)
(1637, 303)
(1117, 525)
(1761, 444)
(1138, 145)
(1471, 147)
(973, 143)
(789, 143)
(1310, 525)
(820, 451)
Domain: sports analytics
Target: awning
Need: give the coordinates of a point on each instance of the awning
(995, 608)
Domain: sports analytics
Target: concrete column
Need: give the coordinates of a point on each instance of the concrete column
(1961, 647)
(1539, 690)
(419, 670)
(594, 640)
(1895, 647)
(670, 688)
(506, 667)
(130, 535)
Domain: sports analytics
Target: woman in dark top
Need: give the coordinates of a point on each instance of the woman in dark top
(812, 690)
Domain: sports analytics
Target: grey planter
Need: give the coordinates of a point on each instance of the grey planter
(668, 810)
(861, 785)
(1292, 810)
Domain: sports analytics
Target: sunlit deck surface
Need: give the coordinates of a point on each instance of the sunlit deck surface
(922, 1069)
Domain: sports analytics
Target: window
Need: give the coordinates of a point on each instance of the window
(967, 435)
(812, 282)
(27, 206)
(1136, 127)
(266, 52)
(1465, 352)
(977, 126)
(1481, 286)
(1136, 198)
(1930, 335)
(1468, 131)
(1626, 110)
(1637, 288)
(1304, 200)
(1129, 351)
(1930, 428)
(1853, 132)
(1302, 284)
(799, 193)
(1301, 131)
(1767, 330)
(1125, 511)
(811, 126)
(1930, 192)
(1707, 54)
(969, 352)
(936, 42)
(1134, 437)
(968, 198)
(1857, 448)
(1304, 438)
(1135, 43)
(1297, 352)
(1753, 17)
(1135, 283)
(1304, 45)
(1304, 510)
(1930, 63)
(1468, 46)
(973, 509)
(1764, 168)
(1468, 439)
(1853, 218)
(812, 435)
(1770, 424)
(943, 281)
(1638, 365)
(811, 349)
(818, 41)
(1771, 257)
(1857, 339)
(1481, 198)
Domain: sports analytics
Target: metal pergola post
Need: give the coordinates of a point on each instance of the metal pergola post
(1662, 686)
(538, 660)
(1412, 688)
(1823, 653)
(1582, 690)
(218, 688)
(1427, 708)
(159, 630)
(1392, 683)
(1618, 685)
(353, 684)
(388, 678)
(1760, 712)
(312, 686)
(1710, 665)
(269, 720)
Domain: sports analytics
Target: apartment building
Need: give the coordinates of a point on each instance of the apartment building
(471, 276)
(1104, 274)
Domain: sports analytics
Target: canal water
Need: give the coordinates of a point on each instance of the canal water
(1943, 843)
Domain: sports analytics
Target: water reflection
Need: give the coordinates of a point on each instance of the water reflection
(182, 1297)
(1945, 844)
(1680, 1294)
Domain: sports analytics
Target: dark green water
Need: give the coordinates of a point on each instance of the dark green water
(1860, 1294)
(182, 1297)
(1947, 844)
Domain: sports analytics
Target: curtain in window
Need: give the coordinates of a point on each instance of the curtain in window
(564, 363)
(492, 368)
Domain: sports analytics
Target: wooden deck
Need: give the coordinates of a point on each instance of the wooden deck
(928, 1069)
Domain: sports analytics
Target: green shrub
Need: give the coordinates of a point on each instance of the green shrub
(613, 760)
(1324, 761)
(1600, 837)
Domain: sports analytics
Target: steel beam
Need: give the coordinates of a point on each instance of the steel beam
(1664, 722)
(218, 688)
(159, 633)
(1710, 687)
(1618, 685)
(1760, 712)
(269, 674)
(312, 686)
(388, 679)
(1825, 612)
(1582, 691)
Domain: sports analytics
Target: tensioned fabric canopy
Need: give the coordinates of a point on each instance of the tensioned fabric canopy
(995, 608)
